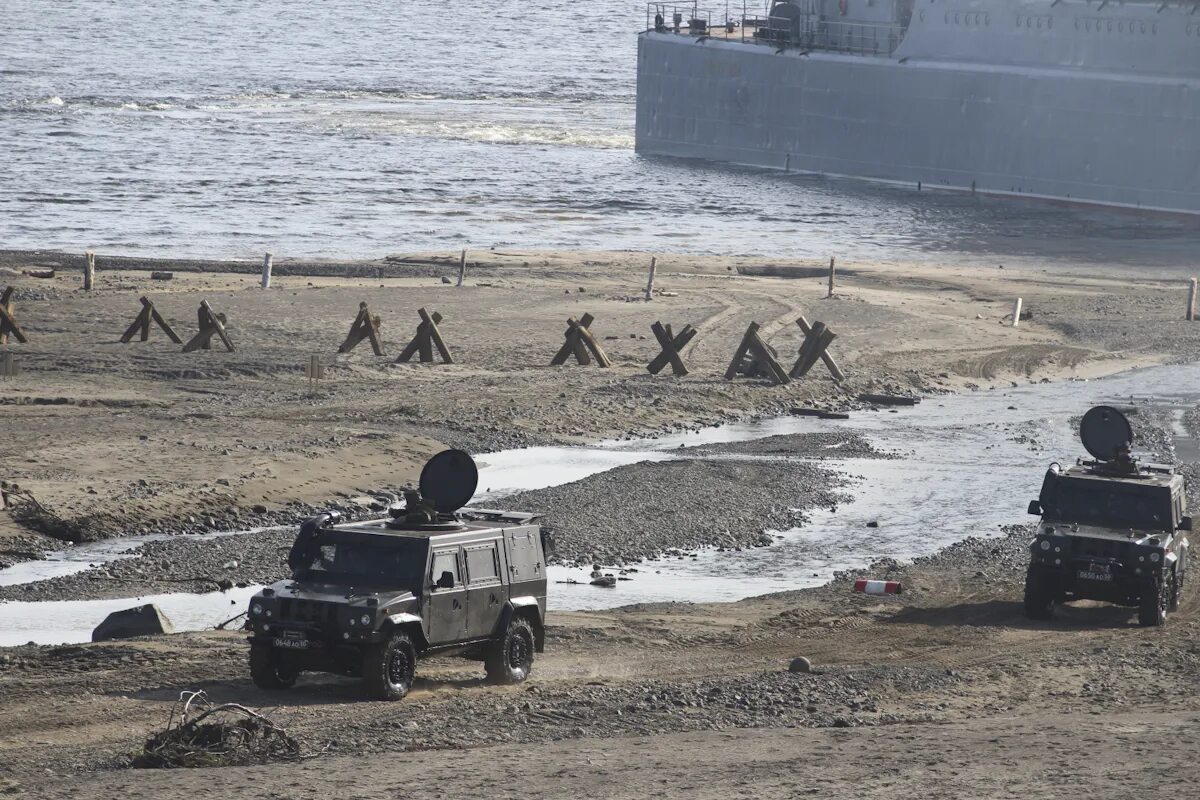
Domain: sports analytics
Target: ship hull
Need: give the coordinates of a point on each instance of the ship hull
(1098, 138)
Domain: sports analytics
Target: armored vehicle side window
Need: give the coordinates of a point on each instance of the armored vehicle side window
(483, 565)
(446, 561)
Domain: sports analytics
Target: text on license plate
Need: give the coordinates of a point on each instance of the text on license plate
(291, 644)
(1096, 573)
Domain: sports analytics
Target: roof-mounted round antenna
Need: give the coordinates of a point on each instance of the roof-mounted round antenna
(1106, 433)
(449, 480)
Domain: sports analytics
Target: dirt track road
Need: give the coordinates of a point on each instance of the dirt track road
(945, 692)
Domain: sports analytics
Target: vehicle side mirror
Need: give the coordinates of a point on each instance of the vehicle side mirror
(1035, 508)
(446, 580)
(1185, 523)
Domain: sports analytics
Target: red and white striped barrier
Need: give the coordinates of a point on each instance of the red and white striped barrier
(878, 587)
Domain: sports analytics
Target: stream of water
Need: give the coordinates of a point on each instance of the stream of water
(970, 465)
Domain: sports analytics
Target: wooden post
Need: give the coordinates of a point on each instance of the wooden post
(1191, 308)
(650, 283)
(1016, 314)
(832, 271)
(462, 267)
(266, 271)
(89, 271)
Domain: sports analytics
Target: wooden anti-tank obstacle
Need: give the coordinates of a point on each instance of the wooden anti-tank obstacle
(210, 325)
(580, 342)
(428, 337)
(8, 323)
(671, 347)
(817, 339)
(754, 356)
(141, 325)
(364, 327)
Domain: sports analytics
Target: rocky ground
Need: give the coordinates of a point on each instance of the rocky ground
(952, 657)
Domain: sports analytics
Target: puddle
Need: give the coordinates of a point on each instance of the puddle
(65, 621)
(971, 464)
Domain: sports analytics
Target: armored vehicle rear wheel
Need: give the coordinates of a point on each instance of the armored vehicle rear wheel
(267, 671)
(510, 658)
(1039, 596)
(388, 668)
(1156, 601)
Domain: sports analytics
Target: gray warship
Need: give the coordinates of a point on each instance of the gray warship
(1087, 101)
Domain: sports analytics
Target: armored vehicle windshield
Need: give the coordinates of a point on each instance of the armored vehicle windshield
(352, 559)
(1144, 504)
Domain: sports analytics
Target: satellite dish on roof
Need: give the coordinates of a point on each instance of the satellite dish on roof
(449, 480)
(1106, 433)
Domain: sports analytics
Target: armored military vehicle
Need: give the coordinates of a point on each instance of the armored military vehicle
(1111, 529)
(370, 598)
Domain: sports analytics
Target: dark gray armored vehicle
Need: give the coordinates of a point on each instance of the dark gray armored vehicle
(370, 598)
(1111, 529)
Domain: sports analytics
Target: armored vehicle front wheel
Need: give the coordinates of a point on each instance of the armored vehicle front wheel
(267, 670)
(1156, 600)
(510, 658)
(388, 668)
(1039, 596)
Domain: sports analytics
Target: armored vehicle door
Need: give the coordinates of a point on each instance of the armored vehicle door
(487, 594)
(447, 597)
(526, 567)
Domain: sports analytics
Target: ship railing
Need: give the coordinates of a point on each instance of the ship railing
(813, 33)
(689, 20)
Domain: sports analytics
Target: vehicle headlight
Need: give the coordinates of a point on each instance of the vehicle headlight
(352, 621)
(256, 609)
(1044, 545)
(1154, 558)
(365, 619)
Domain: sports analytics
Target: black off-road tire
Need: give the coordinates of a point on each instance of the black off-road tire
(266, 670)
(388, 668)
(1040, 597)
(1156, 601)
(509, 659)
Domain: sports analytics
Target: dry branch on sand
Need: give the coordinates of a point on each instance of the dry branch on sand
(201, 734)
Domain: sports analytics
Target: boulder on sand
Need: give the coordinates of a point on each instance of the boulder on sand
(147, 620)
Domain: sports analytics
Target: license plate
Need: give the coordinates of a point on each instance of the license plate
(1096, 572)
(291, 643)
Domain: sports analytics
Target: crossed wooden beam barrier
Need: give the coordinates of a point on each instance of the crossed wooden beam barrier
(671, 347)
(211, 324)
(817, 339)
(8, 323)
(580, 342)
(364, 327)
(428, 337)
(754, 356)
(141, 325)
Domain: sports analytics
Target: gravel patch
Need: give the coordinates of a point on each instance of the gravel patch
(643, 510)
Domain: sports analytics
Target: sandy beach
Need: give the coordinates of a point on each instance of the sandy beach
(946, 691)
